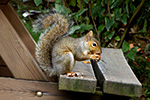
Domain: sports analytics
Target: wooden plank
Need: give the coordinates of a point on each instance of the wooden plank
(115, 75)
(12, 89)
(87, 84)
(19, 27)
(15, 54)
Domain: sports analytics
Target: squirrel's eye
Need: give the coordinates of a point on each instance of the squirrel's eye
(94, 44)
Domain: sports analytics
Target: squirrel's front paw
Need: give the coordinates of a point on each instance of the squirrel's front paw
(95, 57)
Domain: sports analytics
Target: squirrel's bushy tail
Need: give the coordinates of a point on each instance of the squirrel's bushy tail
(58, 27)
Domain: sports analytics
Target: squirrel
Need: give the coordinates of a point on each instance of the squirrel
(56, 51)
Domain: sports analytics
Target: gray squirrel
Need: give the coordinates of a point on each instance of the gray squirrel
(56, 52)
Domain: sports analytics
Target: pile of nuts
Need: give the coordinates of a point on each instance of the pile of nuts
(75, 74)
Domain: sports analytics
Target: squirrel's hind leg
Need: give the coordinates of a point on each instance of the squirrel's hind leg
(64, 63)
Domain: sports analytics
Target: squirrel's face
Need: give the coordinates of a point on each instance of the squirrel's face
(93, 44)
(94, 47)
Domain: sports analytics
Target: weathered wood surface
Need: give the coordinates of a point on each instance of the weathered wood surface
(13, 89)
(19, 27)
(15, 54)
(87, 84)
(115, 75)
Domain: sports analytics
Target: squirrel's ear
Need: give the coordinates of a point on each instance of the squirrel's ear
(88, 35)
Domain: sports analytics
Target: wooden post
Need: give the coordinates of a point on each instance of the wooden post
(19, 27)
(15, 54)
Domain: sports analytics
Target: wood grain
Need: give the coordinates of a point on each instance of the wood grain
(19, 27)
(13, 89)
(115, 75)
(86, 84)
(15, 54)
